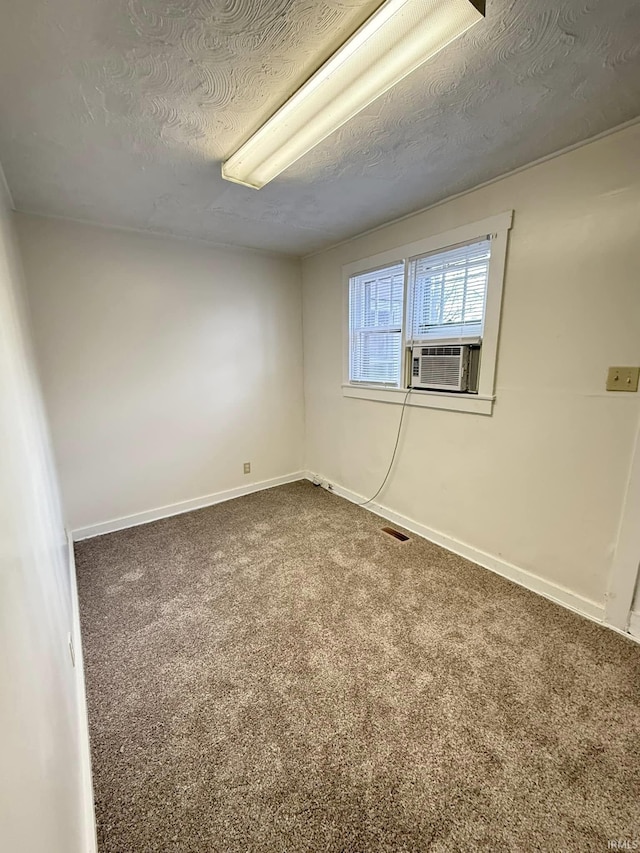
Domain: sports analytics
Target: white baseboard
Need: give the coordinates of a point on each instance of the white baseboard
(86, 780)
(180, 507)
(554, 592)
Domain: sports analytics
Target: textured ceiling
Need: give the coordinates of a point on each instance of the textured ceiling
(119, 111)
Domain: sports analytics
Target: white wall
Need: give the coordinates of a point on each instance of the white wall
(539, 484)
(40, 781)
(165, 365)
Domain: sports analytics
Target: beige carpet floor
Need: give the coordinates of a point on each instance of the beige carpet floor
(277, 674)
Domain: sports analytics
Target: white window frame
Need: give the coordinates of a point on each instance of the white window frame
(482, 402)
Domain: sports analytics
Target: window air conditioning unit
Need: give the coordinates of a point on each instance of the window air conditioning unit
(444, 368)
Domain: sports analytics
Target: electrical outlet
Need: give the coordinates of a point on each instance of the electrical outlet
(623, 378)
(247, 467)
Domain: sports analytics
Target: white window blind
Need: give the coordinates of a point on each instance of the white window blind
(449, 291)
(375, 325)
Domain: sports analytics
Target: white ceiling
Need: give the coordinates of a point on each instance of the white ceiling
(119, 111)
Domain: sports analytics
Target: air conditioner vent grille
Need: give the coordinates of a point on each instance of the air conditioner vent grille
(440, 370)
(441, 350)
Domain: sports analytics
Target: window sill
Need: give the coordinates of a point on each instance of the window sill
(476, 403)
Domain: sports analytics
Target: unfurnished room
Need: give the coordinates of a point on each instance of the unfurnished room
(319, 426)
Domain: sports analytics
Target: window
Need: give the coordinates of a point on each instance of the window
(376, 304)
(446, 291)
(449, 291)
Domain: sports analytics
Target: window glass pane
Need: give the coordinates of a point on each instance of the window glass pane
(376, 301)
(375, 357)
(449, 291)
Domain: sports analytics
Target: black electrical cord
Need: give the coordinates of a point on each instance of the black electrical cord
(395, 450)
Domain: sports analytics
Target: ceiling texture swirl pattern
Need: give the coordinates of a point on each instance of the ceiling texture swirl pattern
(120, 111)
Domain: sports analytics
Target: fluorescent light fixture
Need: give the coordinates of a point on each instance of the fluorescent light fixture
(399, 37)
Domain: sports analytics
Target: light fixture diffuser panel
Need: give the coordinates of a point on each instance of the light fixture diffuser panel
(399, 37)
